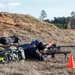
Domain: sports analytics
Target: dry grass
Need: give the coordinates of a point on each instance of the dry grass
(28, 28)
(34, 67)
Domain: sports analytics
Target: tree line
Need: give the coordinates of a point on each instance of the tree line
(61, 22)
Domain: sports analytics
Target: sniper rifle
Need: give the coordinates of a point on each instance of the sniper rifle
(53, 49)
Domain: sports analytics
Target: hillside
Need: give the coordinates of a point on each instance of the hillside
(29, 28)
(26, 26)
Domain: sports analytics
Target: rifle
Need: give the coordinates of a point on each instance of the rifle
(53, 49)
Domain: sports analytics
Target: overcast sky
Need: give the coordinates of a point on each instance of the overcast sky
(53, 8)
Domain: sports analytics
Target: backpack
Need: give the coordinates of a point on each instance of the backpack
(9, 40)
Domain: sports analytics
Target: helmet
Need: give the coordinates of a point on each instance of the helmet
(36, 42)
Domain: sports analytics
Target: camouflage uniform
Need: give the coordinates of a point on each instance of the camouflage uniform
(32, 51)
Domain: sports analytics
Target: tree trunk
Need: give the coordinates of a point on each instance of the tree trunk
(69, 25)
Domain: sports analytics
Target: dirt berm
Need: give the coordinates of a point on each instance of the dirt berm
(29, 28)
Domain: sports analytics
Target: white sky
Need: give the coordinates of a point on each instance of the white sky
(53, 8)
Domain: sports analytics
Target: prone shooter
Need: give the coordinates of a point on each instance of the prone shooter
(35, 49)
(41, 51)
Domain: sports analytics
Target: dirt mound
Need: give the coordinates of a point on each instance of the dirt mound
(28, 28)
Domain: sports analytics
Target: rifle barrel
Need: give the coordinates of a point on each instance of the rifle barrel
(63, 52)
(59, 52)
(67, 46)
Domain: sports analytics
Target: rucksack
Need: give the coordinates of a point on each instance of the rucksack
(9, 40)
